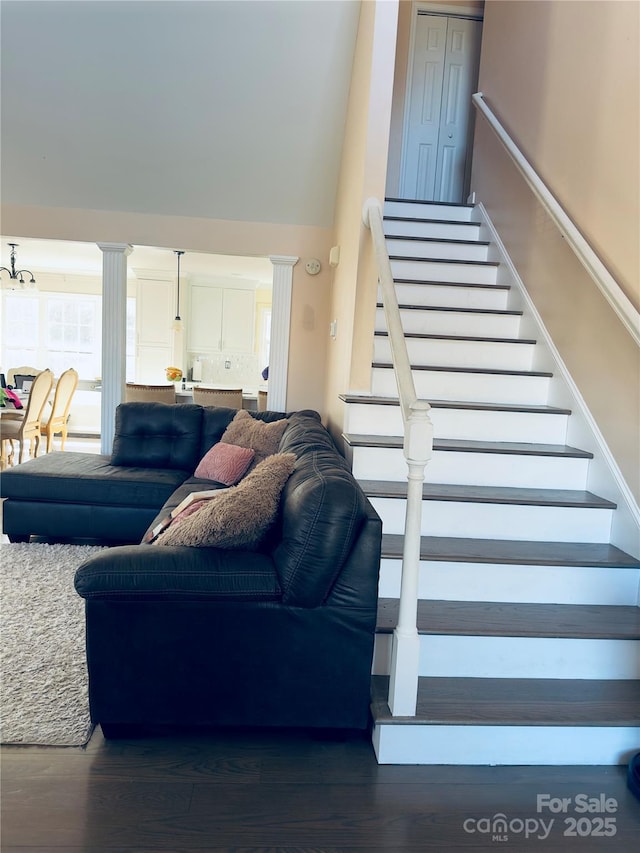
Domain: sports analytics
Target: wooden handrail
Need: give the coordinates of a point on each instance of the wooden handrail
(418, 448)
(609, 287)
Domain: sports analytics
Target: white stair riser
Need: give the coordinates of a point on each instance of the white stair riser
(451, 296)
(540, 584)
(468, 387)
(499, 521)
(451, 353)
(445, 656)
(429, 210)
(442, 271)
(443, 230)
(454, 323)
(470, 424)
(474, 469)
(508, 745)
(459, 251)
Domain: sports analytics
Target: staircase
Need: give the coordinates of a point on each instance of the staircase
(528, 618)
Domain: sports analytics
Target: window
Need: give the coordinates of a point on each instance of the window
(73, 334)
(58, 331)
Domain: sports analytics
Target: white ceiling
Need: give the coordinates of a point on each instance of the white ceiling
(221, 109)
(57, 256)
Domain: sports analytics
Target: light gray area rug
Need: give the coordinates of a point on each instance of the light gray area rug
(43, 672)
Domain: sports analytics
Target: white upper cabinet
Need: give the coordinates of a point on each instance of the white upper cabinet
(221, 319)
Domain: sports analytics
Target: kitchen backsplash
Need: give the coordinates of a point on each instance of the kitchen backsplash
(242, 370)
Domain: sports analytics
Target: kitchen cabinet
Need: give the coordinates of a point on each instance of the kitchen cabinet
(221, 319)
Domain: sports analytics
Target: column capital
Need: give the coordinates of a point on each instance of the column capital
(284, 260)
(124, 248)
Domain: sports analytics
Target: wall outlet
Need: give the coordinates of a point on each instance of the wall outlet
(333, 329)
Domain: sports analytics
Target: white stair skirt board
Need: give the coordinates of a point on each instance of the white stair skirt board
(428, 321)
(517, 584)
(500, 521)
(475, 469)
(468, 386)
(437, 294)
(509, 745)
(459, 250)
(442, 270)
(429, 210)
(439, 229)
(517, 657)
(449, 352)
(459, 423)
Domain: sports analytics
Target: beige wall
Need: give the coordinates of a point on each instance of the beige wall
(563, 78)
(362, 176)
(310, 294)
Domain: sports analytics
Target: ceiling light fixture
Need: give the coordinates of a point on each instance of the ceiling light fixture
(18, 275)
(177, 323)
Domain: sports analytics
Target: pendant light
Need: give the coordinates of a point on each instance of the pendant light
(177, 323)
(16, 277)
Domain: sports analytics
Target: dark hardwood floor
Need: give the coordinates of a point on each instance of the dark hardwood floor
(289, 792)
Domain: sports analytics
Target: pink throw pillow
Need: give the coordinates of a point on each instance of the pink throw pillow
(225, 463)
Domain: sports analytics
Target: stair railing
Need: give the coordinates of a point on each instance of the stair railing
(418, 448)
(609, 287)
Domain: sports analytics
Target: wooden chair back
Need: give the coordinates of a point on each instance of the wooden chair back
(57, 420)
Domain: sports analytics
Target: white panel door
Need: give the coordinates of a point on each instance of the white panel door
(437, 131)
(425, 100)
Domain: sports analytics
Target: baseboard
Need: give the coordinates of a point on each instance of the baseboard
(605, 476)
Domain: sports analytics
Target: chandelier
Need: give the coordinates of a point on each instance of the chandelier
(18, 275)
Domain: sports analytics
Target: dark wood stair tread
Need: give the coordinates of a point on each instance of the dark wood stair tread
(369, 399)
(476, 223)
(448, 369)
(473, 338)
(456, 310)
(575, 498)
(419, 201)
(455, 240)
(515, 702)
(460, 445)
(505, 619)
(464, 261)
(513, 552)
(471, 284)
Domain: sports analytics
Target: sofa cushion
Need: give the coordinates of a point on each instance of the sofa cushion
(225, 463)
(238, 517)
(157, 435)
(87, 478)
(261, 437)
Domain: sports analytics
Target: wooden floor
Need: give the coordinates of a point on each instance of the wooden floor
(288, 792)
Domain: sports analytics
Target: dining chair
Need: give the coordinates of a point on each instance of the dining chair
(57, 420)
(28, 427)
(262, 401)
(229, 397)
(20, 371)
(135, 393)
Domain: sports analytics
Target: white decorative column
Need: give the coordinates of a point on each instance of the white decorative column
(114, 335)
(280, 329)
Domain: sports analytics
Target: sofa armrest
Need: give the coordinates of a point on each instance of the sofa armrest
(143, 573)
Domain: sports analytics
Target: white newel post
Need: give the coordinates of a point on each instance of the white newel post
(405, 658)
(114, 336)
(280, 328)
